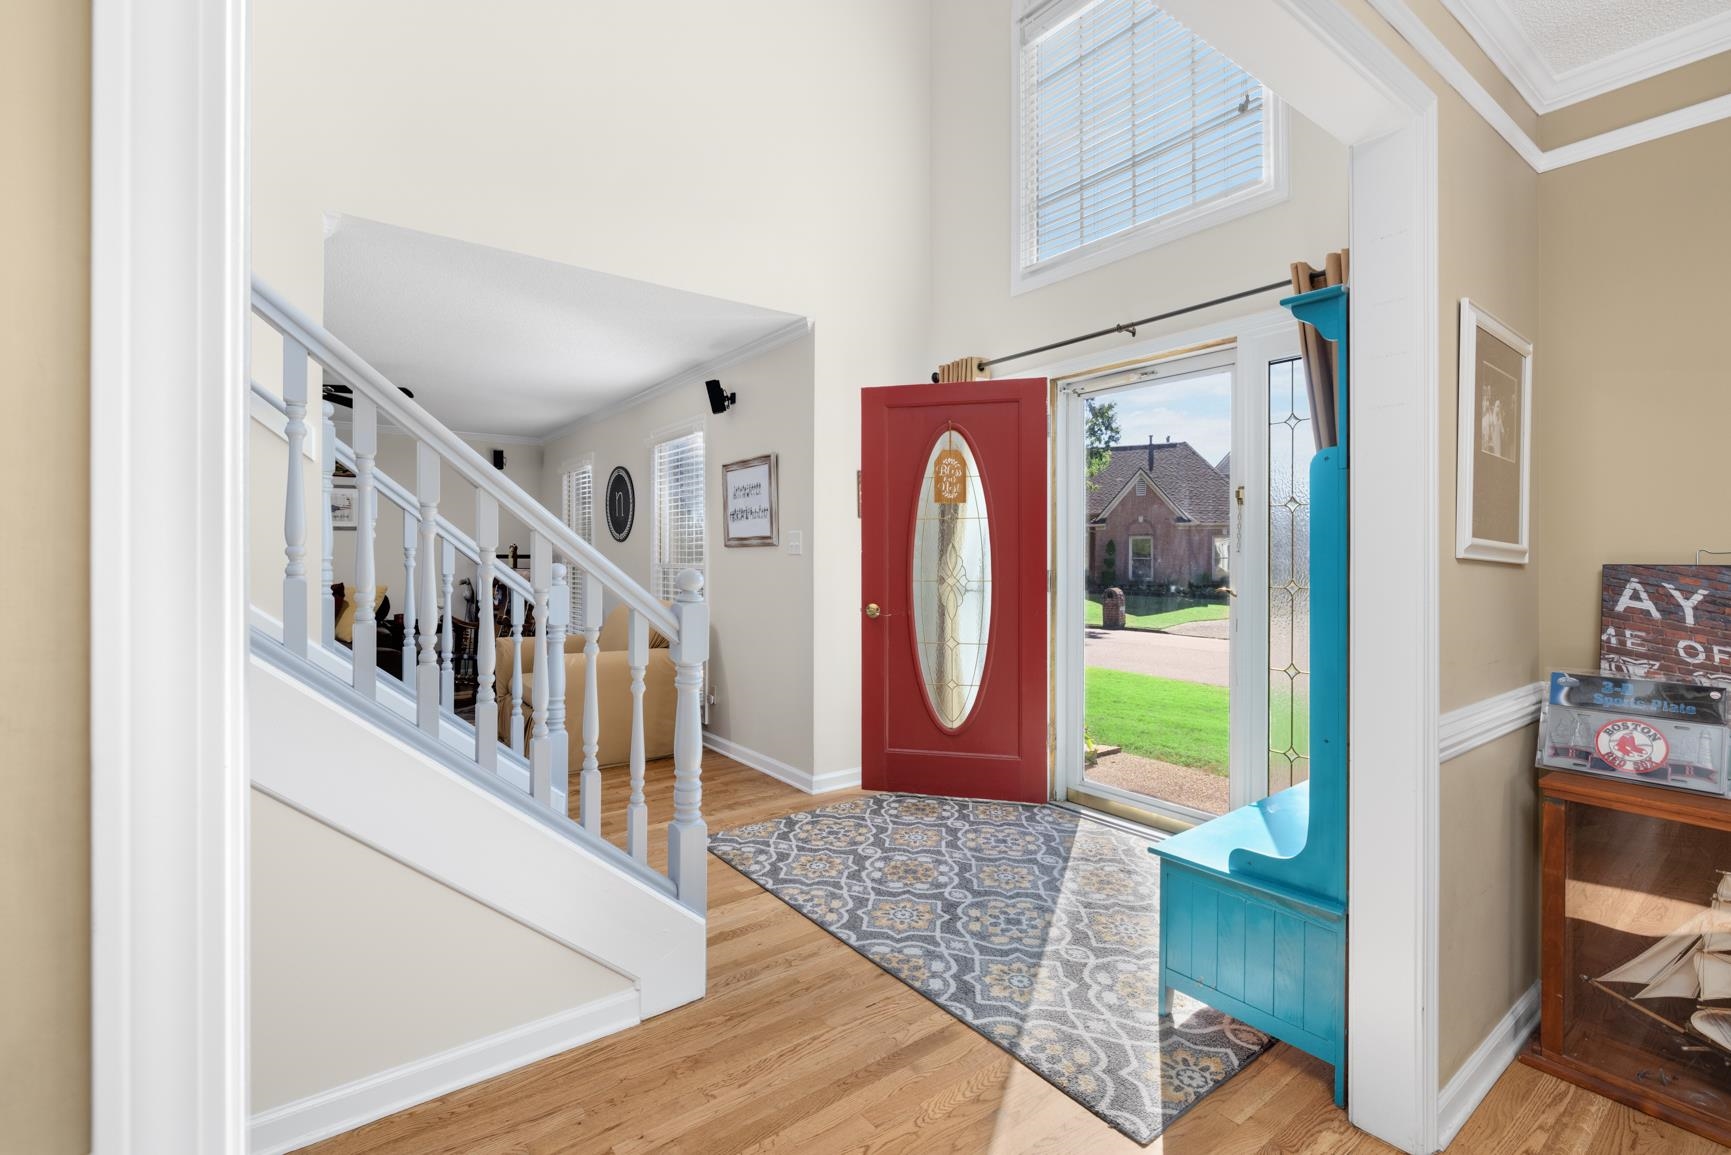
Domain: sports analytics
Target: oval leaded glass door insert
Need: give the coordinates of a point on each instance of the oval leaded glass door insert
(952, 579)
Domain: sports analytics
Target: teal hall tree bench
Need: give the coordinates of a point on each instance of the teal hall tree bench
(1253, 903)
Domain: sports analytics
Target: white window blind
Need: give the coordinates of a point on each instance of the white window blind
(579, 513)
(677, 480)
(1127, 119)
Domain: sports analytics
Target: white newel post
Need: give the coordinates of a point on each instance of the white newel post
(516, 671)
(294, 518)
(540, 750)
(327, 534)
(637, 811)
(411, 611)
(486, 650)
(558, 741)
(365, 638)
(590, 782)
(688, 836)
(448, 632)
(427, 668)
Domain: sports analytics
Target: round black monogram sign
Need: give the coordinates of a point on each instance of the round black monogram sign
(621, 503)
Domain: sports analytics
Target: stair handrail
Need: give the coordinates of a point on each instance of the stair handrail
(399, 496)
(354, 371)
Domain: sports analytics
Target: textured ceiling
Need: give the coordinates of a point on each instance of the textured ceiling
(1570, 34)
(496, 342)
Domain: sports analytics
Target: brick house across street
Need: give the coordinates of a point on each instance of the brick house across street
(1165, 510)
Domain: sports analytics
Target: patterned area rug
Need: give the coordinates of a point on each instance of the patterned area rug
(1034, 926)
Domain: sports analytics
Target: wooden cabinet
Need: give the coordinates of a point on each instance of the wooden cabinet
(1636, 948)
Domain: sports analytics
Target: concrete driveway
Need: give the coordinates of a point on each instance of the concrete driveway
(1164, 655)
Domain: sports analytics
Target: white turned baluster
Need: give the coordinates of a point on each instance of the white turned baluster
(688, 836)
(516, 671)
(294, 517)
(411, 611)
(448, 635)
(540, 750)
(637, 658)
(365, 644)
(486, 654)
(327, 535)
(558, 618)
(427, 666)
(589, 783)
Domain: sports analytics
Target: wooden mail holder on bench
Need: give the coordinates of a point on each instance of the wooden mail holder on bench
(1253, 903)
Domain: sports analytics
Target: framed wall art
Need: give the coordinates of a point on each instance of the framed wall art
(749, 502)
(345, 509)
(1494, 473)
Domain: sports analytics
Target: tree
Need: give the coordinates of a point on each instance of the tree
(1100, 433)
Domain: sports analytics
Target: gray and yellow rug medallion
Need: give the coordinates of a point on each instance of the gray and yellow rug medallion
(1034, 926)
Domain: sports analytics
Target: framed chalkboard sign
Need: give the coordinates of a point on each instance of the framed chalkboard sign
(621, 503)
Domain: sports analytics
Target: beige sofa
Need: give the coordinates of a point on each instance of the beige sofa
(613, 682)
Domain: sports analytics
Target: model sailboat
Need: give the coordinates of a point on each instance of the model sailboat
(1692, 962)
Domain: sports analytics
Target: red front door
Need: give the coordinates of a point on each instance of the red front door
(953, 591)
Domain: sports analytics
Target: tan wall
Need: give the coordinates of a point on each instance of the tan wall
(1632, 432)
(350, 948)
(761, 667)
(44, 467)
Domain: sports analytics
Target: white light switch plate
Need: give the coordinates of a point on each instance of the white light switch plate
(795, 542)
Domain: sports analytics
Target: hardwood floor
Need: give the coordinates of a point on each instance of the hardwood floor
(803, 1046)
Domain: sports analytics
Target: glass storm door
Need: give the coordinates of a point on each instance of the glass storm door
(953, 584)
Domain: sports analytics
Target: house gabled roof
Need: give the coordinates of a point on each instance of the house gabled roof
(1183, 476)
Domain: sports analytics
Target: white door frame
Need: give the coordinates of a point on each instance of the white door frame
(169, 789)
(1342, 76)
(1247, 341)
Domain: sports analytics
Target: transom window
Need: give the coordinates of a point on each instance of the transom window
(1132, 128)
(678, 542)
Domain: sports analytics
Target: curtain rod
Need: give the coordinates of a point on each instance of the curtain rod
(1130, 327)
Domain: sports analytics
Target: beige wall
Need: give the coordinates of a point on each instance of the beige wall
(973, 311)
(350, 948)
(44, 690)
(726, 164)
(761, 667)
(1631, 432)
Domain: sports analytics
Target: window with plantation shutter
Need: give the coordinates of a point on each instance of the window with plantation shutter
(1132, 129)
(677, 481)
(579, 513)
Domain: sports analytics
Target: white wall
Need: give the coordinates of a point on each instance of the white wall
(358, 961)
(770, 151)
(761, 599)
(973, 311)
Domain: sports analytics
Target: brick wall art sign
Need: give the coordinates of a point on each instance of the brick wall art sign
(1667, 622)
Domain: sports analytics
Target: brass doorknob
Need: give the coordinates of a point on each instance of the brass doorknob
(872, 610)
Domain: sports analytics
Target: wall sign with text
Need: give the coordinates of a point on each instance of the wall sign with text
(748, 494)
(621, 503)
(1668, 622)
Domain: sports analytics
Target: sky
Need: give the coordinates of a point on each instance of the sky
(1197, 410)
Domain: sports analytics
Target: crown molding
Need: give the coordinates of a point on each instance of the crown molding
(774, 339)
(1499, 33)
(1436, 54)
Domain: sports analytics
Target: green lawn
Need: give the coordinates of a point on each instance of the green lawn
(1212, 612)
(1184, 723)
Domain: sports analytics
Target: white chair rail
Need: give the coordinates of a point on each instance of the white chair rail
(538, 607)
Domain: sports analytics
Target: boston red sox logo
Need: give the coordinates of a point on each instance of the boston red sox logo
(1631, 746)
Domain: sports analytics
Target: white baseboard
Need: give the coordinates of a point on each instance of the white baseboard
(1485, 1066)
(344, 1108)
(781, 771)
(1475, 724)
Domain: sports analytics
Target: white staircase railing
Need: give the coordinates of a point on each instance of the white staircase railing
(431, 546)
